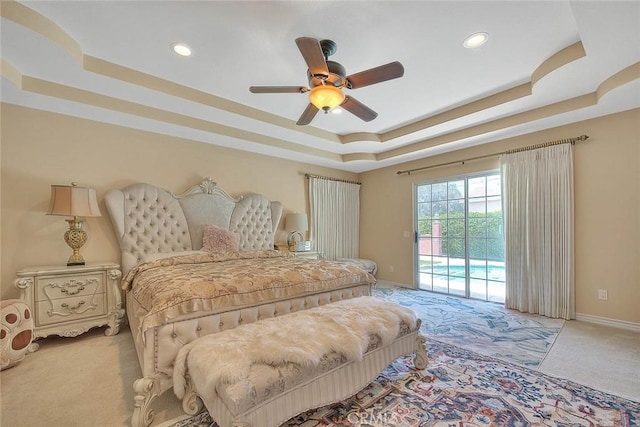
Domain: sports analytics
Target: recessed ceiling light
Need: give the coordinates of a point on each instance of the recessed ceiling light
(181, 49)
(337, 110)
(475, 40)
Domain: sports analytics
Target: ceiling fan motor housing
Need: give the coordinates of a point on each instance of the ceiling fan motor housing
(337, 72)
(336, 75)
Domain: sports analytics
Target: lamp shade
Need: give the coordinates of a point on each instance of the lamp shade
(296, 222)
(326, 97)
(71, 200)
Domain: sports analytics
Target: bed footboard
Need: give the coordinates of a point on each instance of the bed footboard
(158, 348)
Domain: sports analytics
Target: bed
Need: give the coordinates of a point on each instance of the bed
(161, 238)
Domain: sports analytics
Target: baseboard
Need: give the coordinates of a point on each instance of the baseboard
(387, 284)
(622, 324)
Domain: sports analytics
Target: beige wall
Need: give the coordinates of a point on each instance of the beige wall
(40, 149)
(607, 206)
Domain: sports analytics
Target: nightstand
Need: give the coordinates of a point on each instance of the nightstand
(68, 301)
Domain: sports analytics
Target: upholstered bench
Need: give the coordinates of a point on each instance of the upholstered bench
(262, 374)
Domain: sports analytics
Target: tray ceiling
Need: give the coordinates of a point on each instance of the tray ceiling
(545, 64)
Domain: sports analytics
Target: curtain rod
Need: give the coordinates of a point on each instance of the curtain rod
(308, 175)
(571, 141)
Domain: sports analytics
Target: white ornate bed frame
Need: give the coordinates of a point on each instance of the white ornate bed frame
(150, 220)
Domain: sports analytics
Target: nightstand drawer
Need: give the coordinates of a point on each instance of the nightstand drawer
(67, 309)
(56, 287)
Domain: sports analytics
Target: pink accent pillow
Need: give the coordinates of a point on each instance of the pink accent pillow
(216, 239)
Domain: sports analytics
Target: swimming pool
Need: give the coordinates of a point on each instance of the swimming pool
(490, 271)
(486, 280)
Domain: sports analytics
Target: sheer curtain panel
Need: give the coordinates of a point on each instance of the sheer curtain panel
(335, 217)
(538, 224)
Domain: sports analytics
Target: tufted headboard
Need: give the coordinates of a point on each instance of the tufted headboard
(150, 220)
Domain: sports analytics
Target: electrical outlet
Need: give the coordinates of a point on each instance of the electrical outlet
(602, 294)
(391, 269)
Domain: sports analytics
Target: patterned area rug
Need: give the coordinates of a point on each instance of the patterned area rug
(486, 328)
(479, 355)
(461, 388)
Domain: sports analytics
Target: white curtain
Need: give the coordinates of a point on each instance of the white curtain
(335, 217)
(538, 224)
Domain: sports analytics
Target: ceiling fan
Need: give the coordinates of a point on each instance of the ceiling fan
(328, 78)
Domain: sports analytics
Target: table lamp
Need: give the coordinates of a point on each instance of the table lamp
(295, 224)
(71, 200)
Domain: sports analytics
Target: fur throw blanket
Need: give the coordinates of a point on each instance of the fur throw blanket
(302, 337)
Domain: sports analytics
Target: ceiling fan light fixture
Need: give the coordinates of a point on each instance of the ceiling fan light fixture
(475, 40)
(326, 97)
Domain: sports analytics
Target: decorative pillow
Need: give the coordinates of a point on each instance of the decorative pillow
(216, 239)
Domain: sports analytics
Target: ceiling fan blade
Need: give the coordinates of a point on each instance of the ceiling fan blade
(278, 89)
(307, 115)
(358, 109)
(313, 56)
(389, 71)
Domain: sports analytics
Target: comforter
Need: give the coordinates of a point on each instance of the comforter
(218, 281)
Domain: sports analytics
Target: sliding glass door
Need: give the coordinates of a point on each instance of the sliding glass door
(459, 240)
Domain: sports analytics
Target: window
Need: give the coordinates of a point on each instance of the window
(460, 244)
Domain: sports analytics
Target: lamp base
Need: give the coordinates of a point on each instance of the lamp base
(293, 238)
(75, 237)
